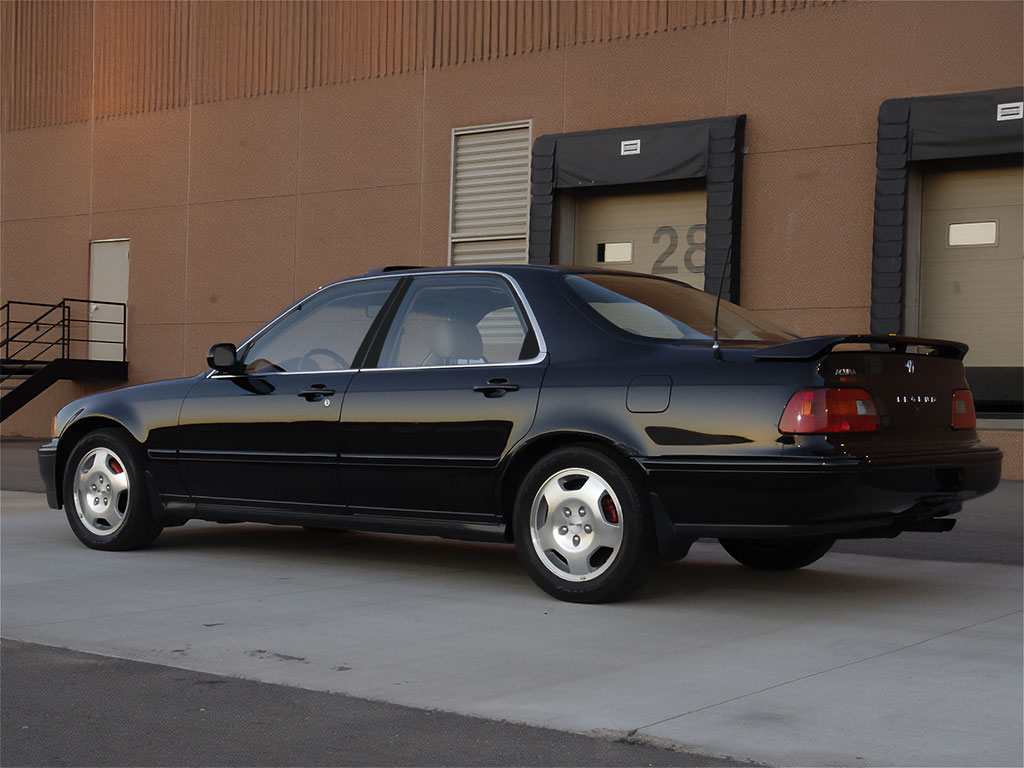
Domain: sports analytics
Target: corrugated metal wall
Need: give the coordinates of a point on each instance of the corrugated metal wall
(159, 54)
(47, 63)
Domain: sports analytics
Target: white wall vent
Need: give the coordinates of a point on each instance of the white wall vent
(490, 194)
(630, 147)
(1011, 110)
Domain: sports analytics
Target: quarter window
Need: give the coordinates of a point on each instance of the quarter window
(323, 333)
(465, 320)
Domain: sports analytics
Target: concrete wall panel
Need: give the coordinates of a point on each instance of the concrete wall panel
(345, 145)
(958, 47)
(807, 220)
(435, 212)
(156, 352)
(816, 322)
(244, 148)
(341, 234)
(240, 260)
(817, 79)
(670, 76)
(45, 172)
(140, 161)
(51, 259)
(812, 80)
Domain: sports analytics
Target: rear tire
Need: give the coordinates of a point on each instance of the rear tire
(582, 528)
(105, 495)
(777, 554)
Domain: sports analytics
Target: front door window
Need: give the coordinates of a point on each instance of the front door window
(323, 333)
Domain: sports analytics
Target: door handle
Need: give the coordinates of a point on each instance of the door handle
(315, 392)
(496, 388)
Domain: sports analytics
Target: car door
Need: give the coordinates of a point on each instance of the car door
(450, 388)
(268, 437)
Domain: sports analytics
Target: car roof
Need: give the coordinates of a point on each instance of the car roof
(509, 269)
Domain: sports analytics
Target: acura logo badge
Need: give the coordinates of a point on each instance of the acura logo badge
(910, 366)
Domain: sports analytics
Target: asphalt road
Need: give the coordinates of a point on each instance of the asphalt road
(61, 707)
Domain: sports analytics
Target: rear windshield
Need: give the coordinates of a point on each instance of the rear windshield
(671, 311)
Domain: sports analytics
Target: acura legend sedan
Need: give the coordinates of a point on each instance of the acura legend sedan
(601, 421)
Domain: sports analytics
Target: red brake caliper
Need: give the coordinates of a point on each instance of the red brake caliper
(611, 514)
(115, 467)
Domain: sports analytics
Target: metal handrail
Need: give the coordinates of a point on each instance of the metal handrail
(17, 332)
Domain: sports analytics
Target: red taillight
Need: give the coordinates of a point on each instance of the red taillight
(963, 410)
(823, 411)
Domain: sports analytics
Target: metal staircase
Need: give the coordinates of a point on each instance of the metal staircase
(44, 343)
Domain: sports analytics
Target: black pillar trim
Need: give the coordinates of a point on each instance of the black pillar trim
(719, 160)
(921, 129)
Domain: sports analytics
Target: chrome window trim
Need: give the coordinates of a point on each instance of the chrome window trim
(531, 361)
(215, 375)
(531, 318)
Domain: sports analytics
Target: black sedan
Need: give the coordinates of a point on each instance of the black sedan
(601, 420)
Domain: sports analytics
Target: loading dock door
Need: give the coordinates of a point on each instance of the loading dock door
(659, 233)
(972, 269)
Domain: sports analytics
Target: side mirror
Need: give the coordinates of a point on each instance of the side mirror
(224, 358)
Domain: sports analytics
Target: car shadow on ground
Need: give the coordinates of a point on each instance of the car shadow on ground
(705, 571)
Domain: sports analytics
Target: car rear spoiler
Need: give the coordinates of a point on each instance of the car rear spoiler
(816, 346)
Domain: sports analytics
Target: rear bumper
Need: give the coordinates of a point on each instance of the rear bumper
(47, 467)
(808, 496)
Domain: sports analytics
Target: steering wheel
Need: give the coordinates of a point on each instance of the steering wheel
(307, 359)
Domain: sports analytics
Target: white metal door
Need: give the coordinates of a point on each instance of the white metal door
(108, 282)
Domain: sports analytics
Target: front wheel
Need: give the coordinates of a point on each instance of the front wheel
(105, 496)
(582, 529)
(777, 554)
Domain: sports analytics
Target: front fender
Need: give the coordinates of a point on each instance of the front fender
(145, 411)
(148, 412)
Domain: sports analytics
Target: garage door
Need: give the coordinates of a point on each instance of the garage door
(972, 271)
(659, 233)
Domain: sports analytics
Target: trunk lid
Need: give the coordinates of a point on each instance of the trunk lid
(911, 382)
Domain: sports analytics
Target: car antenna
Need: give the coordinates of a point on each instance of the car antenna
(715, 347)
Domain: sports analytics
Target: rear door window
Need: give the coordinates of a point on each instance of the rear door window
(456, 320)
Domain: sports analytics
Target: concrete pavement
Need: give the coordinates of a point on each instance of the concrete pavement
(858, 660)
